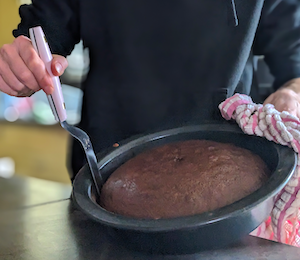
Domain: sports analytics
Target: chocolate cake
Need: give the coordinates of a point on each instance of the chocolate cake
(183, 178)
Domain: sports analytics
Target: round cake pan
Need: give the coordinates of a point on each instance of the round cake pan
(190, 234)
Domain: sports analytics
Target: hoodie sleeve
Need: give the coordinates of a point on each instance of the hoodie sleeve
(278, 39)
(59, 20)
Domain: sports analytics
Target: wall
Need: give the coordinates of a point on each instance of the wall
(37, 151)
(9, 19)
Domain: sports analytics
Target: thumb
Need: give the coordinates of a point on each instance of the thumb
(58, 65)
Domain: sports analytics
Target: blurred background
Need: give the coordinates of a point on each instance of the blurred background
(32, 144)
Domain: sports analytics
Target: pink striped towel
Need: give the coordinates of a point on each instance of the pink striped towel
(283, 128)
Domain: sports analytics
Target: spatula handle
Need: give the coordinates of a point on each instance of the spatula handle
(56, 99)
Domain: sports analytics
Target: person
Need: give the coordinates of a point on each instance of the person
(157, 64)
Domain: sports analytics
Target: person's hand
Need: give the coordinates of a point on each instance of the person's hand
(23, 73)
(287, 98)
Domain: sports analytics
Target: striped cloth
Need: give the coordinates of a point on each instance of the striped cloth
(283, 128)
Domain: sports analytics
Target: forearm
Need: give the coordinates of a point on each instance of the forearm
(293, 84)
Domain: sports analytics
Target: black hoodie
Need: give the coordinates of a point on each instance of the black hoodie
(158, 63)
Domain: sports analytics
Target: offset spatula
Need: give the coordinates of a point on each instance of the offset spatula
(57, 105)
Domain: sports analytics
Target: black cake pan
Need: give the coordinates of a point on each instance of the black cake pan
(190, 234)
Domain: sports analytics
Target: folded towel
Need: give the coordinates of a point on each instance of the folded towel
(283, 128)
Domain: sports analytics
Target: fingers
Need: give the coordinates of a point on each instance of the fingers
(285, 100)
(33, 74)
(58, 65)
(25, 92)
(6, 88)
(16, 80)
(14, 73)
(22, 72)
